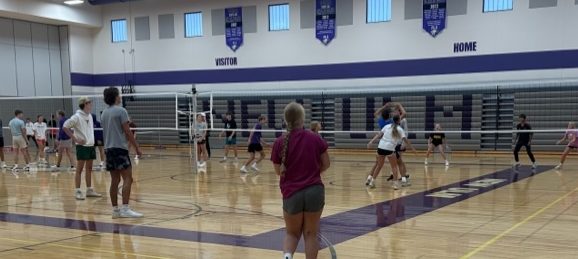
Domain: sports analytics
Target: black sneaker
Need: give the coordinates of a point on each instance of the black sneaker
(390, 178)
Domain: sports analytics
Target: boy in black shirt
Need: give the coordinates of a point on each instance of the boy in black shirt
(231, 134)
(524, 139)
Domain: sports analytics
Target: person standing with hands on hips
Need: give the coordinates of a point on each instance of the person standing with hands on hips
(83, 135)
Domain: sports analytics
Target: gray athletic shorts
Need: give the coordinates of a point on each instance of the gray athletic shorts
(310, 199)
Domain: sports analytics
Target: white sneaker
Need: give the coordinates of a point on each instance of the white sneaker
(372, 183)
(559, 166)
(224, 159)
(4, 165)
(517, 164)
(395, 185)
(447, 163)
(27, 168)
(15, 168)
(534, 166)
(115, 213)
(244, 170)
(425, 162)
(136, 157)
(405, 182)
(102, 165)
(78, 195)
(254, 167)
(128, 213)
(91, 193)
(369, 178)
(287, 256)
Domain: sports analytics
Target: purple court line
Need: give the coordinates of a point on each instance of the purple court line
(336, 228)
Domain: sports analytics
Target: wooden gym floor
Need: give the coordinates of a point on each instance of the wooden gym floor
(479, 207)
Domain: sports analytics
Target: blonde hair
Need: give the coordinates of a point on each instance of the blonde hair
(294, 114)
(394, 133)
(314, 125)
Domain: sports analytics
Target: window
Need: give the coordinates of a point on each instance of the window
(378, 11)
(193, 25)
(119, 30)
(279, 17)
(498, 5)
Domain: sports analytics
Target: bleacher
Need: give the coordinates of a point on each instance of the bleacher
(479, 109)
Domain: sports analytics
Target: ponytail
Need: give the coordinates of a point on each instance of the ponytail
(294, 118)
(395, 133)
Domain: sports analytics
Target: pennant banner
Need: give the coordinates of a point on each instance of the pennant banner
(434, 16)
(325, 14)
(234, 27)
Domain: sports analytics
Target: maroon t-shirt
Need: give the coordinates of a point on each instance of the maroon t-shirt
(303, 164)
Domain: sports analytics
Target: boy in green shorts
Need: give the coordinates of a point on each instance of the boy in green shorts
(82, 124)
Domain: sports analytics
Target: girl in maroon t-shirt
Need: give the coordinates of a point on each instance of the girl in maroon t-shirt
(299, 157)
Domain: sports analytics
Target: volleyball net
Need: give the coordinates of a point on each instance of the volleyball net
(481, 118)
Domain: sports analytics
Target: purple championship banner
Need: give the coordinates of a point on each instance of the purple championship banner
(325, 20)
(234, 27)
(434, 16)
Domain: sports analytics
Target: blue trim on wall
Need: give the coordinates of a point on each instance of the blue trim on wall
(416, 67)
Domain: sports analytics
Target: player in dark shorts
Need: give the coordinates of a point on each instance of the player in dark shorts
(524, 139)
(2, 161)
(231, 135)
(256, 144)
(117, 135)
(99, 141)
(437, 140)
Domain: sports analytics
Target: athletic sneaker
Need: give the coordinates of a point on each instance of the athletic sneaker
(136, 157)
(559, 166)
(517, 164)
(534, 166)
(78, 195)
(91, 193)
(116, 213)
(425, 162)
(224, 159)
(287, 256)
(369, 179)
(390, 177)
(4, 165)
(126, 212)
(395, 185)
(405, 182)
(244, 170)
(254, 167)
(372, 183)
(15, 167)
(102, 164)
(447, 163)
(27, 168)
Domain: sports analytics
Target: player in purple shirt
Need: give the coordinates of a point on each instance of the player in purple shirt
(300, 157)
(256, 144)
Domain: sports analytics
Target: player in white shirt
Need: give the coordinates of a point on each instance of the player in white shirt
(390, 136)
(39, 128)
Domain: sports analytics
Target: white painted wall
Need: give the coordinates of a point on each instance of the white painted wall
(81, 49)
(521, 30)
(51, 12)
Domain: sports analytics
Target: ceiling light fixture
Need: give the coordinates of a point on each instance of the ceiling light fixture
(74, 2)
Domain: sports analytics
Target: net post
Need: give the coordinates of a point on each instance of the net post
(211, 109)
(193, 125)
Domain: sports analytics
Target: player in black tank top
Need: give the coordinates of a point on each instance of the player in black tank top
(437, 140)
